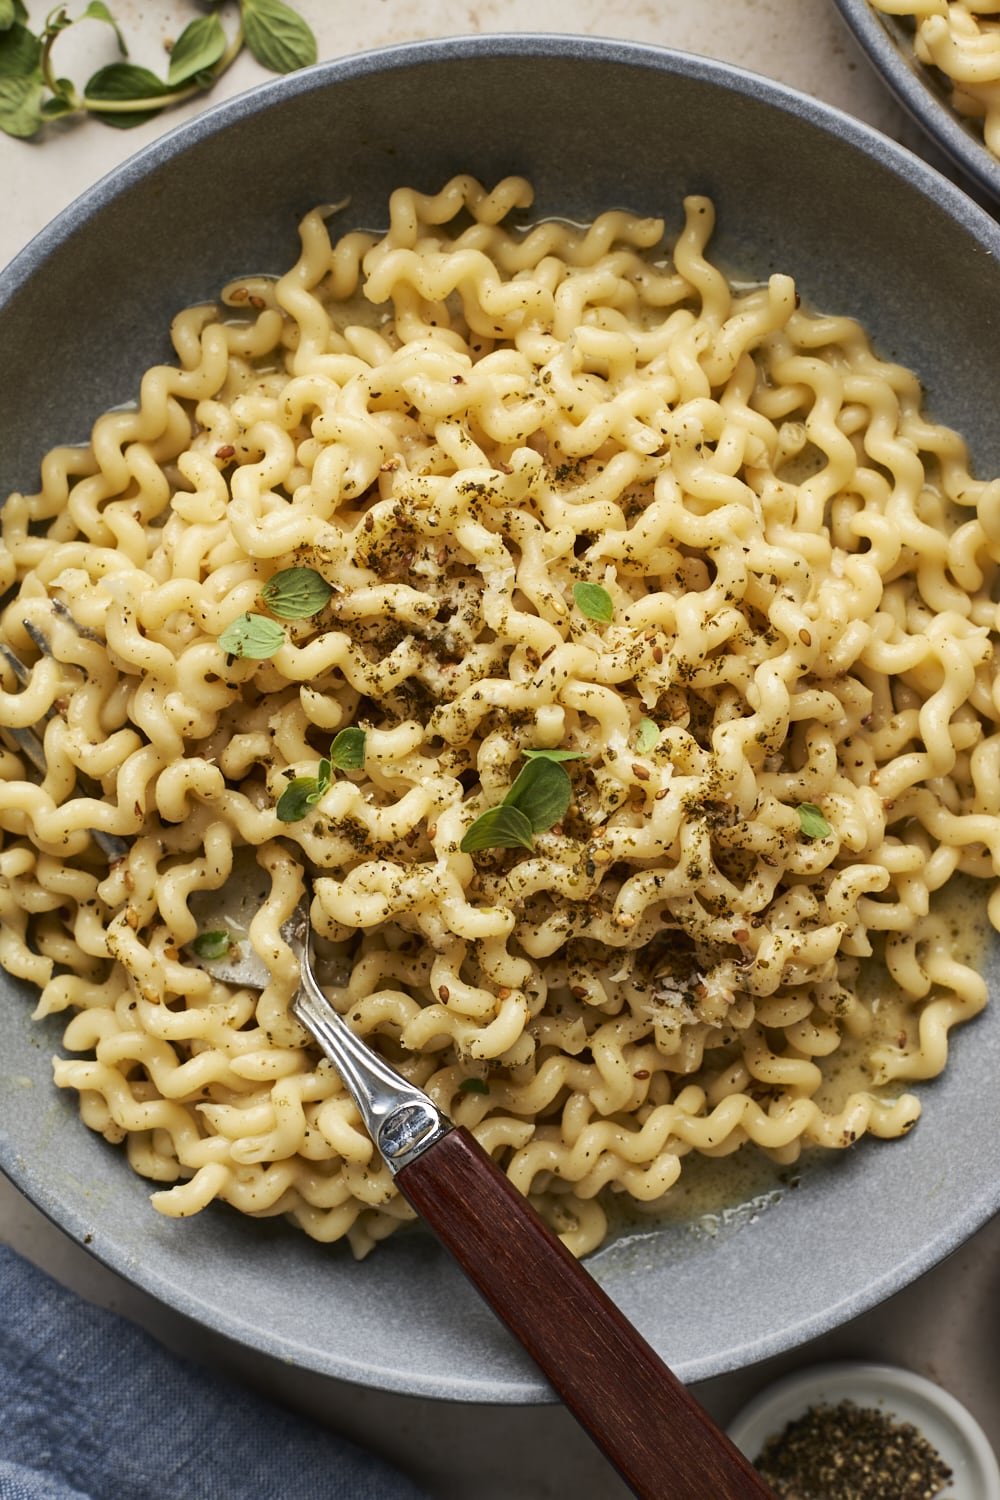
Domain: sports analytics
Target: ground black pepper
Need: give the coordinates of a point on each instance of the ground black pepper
(850, 1452)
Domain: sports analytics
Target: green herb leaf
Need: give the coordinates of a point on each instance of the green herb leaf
(20, 106)
(211, 944)
(324, 776)
(812, 821)
(124, 83)
(252, 635)
(296, 593)
(538, 799)
(124, 95)
(594, 601)
(198, 48)
(502, 827)
(297, 798)
(20, 51)
(543, 792)
(98, 11)
(61, 103)
(277, 36)
(554, 754)
(348, 749)
(646, 736)
(474, 1086)
(12, 12)
(56, 21)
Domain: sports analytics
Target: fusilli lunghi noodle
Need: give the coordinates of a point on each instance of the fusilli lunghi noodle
(960, 41)
(778, 700)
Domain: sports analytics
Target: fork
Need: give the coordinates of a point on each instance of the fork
(662, 1442)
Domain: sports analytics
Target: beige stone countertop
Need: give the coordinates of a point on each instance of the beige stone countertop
(944, 1325)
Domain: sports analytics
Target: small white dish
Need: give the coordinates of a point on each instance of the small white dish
(901, 1395)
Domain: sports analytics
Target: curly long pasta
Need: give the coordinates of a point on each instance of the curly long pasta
(960, 41)
(781, 720)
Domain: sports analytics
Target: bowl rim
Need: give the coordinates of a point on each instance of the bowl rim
(909, 81)
(903, 1393)
(225, 114)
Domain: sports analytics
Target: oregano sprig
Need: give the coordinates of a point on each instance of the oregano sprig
(594, 601)
(293, 594)
(253, 636)
(212, 945)
(812, 822)
(646, 736)
(296, 593)
(347, 753)
(122, 93)
(538, 799)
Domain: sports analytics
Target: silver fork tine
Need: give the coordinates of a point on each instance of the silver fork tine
(38, 638)
(26, 740)
(29, 740)
(65, 613)
(20, 671)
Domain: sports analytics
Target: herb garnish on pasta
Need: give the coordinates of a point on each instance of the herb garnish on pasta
(677, 571)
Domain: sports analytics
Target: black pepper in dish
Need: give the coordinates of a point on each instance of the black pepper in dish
(849, 1452)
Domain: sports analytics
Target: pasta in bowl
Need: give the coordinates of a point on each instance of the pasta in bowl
(606, 635)
(942, 60)
(651, 627)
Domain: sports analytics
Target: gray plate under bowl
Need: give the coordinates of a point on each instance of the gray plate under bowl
(867, 229)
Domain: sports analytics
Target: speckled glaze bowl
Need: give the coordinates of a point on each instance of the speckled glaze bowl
(887, 43)
(866, 229)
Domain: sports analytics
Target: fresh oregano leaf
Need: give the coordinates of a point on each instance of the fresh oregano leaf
(502, 827)
(125, 84)
(124, 81)
(198, 48)
(812, 821)
(12, 12)
(594, 601)
(298, 797)
(296, 593)
(646, 736)
(20, 106)
(542, 791)
(554, 754)
(61, 103)
(347, 753)
(254, 636)
(277, 36)
(211, 944)
(98, 11)
(20, 51)
(538, 799)
(348, 749)
(57, 20)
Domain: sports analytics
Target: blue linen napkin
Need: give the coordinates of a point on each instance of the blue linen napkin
(93, 1408)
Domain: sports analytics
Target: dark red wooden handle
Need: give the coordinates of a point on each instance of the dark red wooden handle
(664, 1445)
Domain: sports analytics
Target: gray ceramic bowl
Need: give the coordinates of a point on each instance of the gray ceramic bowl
(867, 229)
(887, 42)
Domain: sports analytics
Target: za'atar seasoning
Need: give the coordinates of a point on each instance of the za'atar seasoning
(850, 1452)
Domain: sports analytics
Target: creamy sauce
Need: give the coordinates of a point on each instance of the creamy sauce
(716, 1196)
(713, 1197)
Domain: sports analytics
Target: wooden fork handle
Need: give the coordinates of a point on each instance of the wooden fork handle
(656, 1435)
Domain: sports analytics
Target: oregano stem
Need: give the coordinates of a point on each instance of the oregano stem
(163, 101)
(123, 93)
(45, 68)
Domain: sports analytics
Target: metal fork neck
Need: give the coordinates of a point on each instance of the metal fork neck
(399, 1117)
